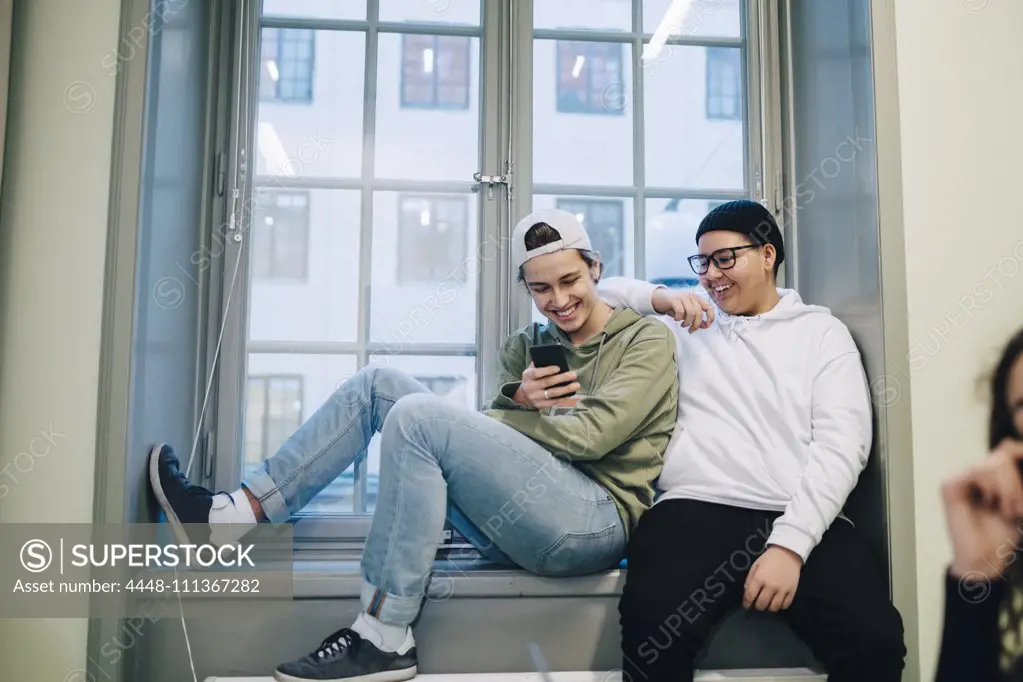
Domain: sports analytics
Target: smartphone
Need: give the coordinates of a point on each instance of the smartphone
(549, 354)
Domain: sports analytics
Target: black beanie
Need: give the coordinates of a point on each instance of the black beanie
(746, 217)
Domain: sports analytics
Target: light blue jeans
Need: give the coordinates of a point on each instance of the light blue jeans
(515, 501)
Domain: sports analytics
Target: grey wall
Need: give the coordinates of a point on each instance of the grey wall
(165, 359)
(832, 196)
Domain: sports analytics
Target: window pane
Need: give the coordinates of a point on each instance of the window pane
(322, 304)
(425, 267)
(255, 417)
(724, 83)
(671, 238)
(316, 9)
(310, 114)
(607, 15)
(453, 378)
(708, 18)
(431, 11)
(280, 235)
(312, 379)
(428, 107)
(608, 221)
(685, 147)
(582, 118)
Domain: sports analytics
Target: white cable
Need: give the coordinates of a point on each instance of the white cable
(202, 413)
(235, 228)
(184, 628)
(216, 357)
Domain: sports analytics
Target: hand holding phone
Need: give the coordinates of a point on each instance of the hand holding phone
(548, 382)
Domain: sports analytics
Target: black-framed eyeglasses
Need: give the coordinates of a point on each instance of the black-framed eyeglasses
(724, 259)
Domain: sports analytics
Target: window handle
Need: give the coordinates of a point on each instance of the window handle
(490, 181)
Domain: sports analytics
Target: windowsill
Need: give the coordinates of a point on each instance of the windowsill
(455, 579)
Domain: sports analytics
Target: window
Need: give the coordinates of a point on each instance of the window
(431, 238)
(584, 72)
(288, 58)
(370, 244)
(280, 235)
(273, 413)
(434, 72)
(604, 220)
(724, 84)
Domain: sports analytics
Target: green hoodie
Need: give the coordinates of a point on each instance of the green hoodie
(619, 430)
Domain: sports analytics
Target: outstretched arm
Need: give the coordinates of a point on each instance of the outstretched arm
(692, 310)
(629, 293)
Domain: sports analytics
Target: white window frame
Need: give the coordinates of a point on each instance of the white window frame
(506, 33)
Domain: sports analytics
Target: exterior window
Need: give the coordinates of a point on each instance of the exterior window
(273, 413)
(288, 60)
(280, 235)
(585, 70)
(604, 220)
(724, 84)
(431, 238)
(435, 72)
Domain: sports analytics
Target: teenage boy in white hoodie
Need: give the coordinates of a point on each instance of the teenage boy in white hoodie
(774, 428)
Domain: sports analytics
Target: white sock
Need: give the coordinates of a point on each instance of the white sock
(231, 517)
(392, 638)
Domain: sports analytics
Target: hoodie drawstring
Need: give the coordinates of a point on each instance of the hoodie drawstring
(593, 372)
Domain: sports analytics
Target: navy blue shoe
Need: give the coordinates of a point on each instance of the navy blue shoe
(182, 502)
(346, 657)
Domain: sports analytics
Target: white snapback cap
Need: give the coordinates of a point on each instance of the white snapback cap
(573, 235)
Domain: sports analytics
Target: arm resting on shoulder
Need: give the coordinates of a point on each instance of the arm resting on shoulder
(629, 293)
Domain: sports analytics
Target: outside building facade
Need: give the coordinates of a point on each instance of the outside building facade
(315, 159)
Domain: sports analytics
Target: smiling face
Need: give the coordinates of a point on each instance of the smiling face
(563, 288)
(744, 284)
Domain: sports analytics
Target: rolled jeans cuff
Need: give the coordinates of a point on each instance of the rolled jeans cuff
(389, 608)
(269, 495)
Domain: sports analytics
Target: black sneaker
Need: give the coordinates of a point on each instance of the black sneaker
(182, 502)
(346, 657)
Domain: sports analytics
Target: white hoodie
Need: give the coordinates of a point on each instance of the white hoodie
(774, 413)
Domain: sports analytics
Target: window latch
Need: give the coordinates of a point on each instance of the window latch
(490, 181)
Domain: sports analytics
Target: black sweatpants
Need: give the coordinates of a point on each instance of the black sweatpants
(688, 563)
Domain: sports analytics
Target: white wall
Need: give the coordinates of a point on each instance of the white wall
(53, 237)
(960, 97)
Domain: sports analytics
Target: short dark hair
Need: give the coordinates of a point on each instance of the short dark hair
(543, 234)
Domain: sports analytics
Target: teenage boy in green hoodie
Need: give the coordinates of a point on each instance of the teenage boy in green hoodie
(551, 478)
